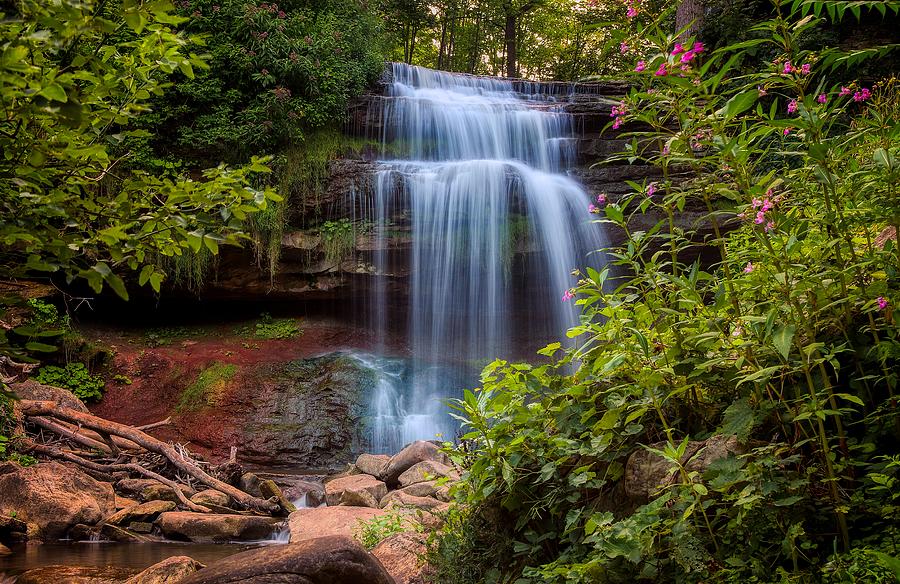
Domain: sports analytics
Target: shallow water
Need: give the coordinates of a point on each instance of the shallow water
(125, 555)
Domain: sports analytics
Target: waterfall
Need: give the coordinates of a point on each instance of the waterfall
(473, 173)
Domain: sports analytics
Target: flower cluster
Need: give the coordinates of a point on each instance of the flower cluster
(792, 106)
(862, 95)
(651, 189)
(804, 69)
(567, 295)
(882, 303)
(619, 112)
(761, 208)
(282, 93)
(701, 136)
(632, 6)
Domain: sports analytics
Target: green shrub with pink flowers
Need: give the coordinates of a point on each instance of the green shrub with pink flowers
(787, 339)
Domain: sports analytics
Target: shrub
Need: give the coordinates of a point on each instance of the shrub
(373, 531)
(75, 377)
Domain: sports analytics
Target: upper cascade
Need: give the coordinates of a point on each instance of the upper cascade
(447, 116)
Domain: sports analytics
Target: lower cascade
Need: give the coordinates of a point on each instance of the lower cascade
(478, 178)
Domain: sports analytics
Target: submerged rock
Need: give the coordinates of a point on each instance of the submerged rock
(54, 497)
(305, 524)
(323, 560)
(76, 575)
(169, 571)
(215, 528)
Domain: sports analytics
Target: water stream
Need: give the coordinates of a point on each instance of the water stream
(477, 179)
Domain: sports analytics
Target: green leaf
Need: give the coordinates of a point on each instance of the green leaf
(739, 104)
(54, 92)
(40, 347)
(783, 337)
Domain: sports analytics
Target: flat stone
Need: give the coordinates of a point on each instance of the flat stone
(211, 496)
(323, 560)
(307, 524)
(402, 555)
(116, 533)
(141, 527)
(335, 489)
(144, 512)
(214, 528)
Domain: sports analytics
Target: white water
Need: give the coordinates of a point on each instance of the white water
(481, 173)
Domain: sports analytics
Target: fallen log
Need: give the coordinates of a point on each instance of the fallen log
(69, 433)
(32, 446)
(146, 427)
(32, 408)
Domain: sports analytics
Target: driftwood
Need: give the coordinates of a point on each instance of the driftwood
(69, 433)
(31, 409)
(146, 427)
(32, 446)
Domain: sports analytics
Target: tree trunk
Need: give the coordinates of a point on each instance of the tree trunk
(689, 16)
(440, 61)
(509, 30)
(476, 45)
(412, 45)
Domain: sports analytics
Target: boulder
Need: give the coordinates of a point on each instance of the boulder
(144, 512)
(141, 527)
(399, 499)
(402, 556)
(169, 571)
(122, 535)
(12, 530)
(270, 490)
(249, 483)
(421, 489)
(348, 471)
(55, 497)
(76, 575)
(307, 524)
(134, 487)
(210, 528)
(125, 502)
(372, 464)
(412, 454)
(335, 489)
(323, 560)
(39, 392)
(161, 492)
(358, 499)
(213, 497)
(427, 470)
(647, 473)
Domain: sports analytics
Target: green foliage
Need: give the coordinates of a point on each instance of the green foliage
(787, 341)
(158, 337)
(272, 328)
(206, 390)
(276, 71)
(75, 377)
(371, 532)
(338, 239)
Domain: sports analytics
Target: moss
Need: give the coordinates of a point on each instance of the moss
(207, 389)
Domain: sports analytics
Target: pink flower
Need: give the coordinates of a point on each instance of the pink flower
(792, 106)
(805, 69)
(651, 190)
(661, 72)
(822, 98)
(688, 57)
(593, 208)
(567, 295)
(786, 132)
(882, 303)
(862, 95)
(788, 68)
(678, 49)
(845, 91)
(698, 48)
(757, 203)
(760, 217)
(617, 124)
(641, 65)
(623, 48)
(748, 268)
(601, 198)
(762, 92)
(665, 150)
(632, 12)
(770, 226)
(767, 205)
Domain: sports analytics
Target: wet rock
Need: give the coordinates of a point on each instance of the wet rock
(427, 470)
(335, 489)
(169, 571)
(402, 555)
(400, 500)
(12, 530)
(5, 551)
(144, 512)
(307, 524)
(412, 454)
(647, 473)
(270, 490)
(372, 464)
(210, 528)
(141, 527)
(125, 502)
(120, 534)
(55, 497)
(39, 392)
(76, 575)
(323, 560)
(211, 496)
(82, 532)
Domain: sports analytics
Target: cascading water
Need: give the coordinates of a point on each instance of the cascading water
(478, 177)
